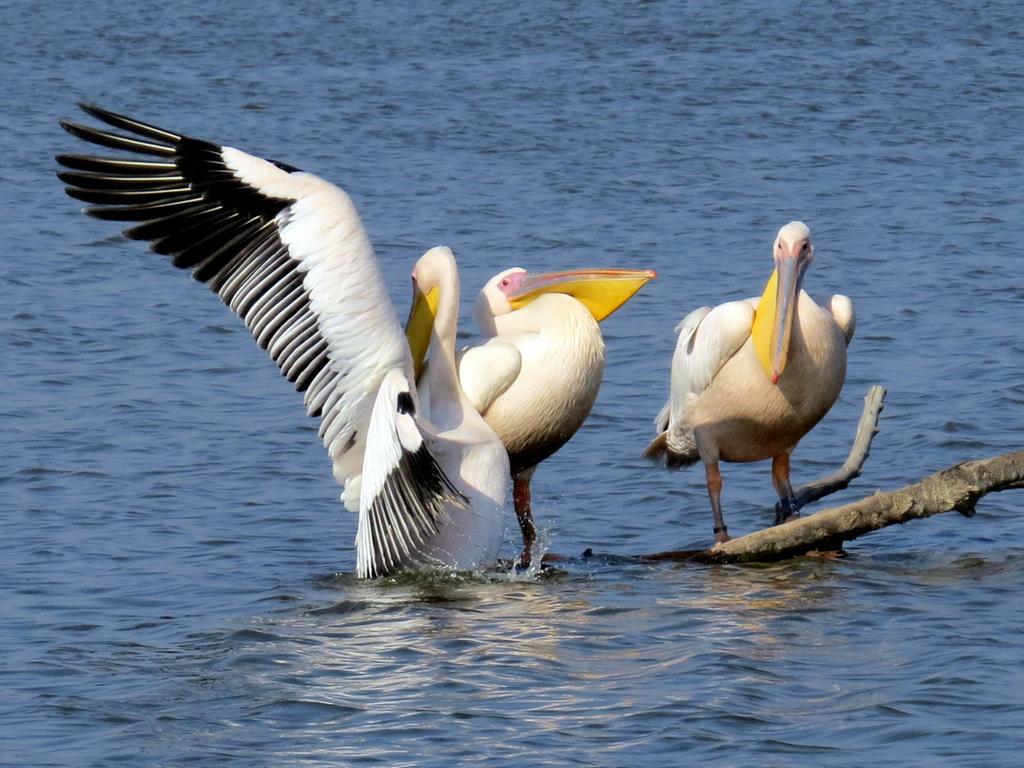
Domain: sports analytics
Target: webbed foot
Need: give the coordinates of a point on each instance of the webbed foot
(785, 510)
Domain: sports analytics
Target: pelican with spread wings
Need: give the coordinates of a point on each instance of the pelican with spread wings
(287, 252)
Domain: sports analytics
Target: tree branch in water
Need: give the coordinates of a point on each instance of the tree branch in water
(851, 469)
(957, 488)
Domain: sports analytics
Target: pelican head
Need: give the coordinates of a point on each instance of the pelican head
(793, 252)
(435, 269)
(601, 291)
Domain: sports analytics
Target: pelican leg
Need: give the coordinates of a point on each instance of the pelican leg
(521, 496)
(714, 478)
(786, 509)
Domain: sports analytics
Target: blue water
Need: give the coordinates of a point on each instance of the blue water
(175, 577)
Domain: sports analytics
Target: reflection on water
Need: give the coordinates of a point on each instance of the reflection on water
(451, 659)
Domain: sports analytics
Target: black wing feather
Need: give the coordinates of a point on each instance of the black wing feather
(411, 505)
(189, 203)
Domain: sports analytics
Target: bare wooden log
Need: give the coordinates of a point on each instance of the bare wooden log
(957, 488)
(867, 428)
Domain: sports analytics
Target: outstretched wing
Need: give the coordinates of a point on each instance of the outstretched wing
(405, 492)
(284, 249)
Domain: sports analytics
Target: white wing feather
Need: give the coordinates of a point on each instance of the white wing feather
(355, 316)
(842, 312)
(707, 339)
(488, 370)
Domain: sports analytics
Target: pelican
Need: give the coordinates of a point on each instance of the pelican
(751, 378)
(287, 252)
(536, 378)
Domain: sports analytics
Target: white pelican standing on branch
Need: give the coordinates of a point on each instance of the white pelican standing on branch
(537, 377)
(287, 252)
(751, 378)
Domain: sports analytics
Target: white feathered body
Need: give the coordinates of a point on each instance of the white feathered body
(472, 537)
(723, 406)
(551, 393)
(477, 464)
